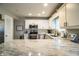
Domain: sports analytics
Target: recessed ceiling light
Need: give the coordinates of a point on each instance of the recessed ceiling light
(39, 14)
(45, 4)
(43, 12)
(30, 14)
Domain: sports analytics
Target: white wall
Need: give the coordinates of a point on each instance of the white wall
(42, 23)
(72, 12)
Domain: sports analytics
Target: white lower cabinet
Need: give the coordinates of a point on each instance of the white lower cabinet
(25, 36)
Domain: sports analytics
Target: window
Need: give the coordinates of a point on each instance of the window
(56, 24)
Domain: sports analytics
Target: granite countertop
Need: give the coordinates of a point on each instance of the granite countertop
(56, 47)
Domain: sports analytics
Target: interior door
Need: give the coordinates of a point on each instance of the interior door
(8, 28)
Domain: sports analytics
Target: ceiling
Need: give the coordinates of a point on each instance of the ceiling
(30, 9)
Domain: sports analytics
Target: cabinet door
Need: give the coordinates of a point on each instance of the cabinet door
(62, 18)
(72, 14)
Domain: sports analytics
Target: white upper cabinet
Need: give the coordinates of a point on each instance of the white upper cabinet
(72, 12)
(62, 16)
(42, 24)
(68, 16)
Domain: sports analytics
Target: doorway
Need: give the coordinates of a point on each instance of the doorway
(1, 31)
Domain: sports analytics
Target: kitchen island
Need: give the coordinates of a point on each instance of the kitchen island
(54, 47)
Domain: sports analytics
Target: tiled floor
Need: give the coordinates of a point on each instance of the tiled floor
(40, 47)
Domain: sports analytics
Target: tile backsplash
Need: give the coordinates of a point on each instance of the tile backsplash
(73, 31)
